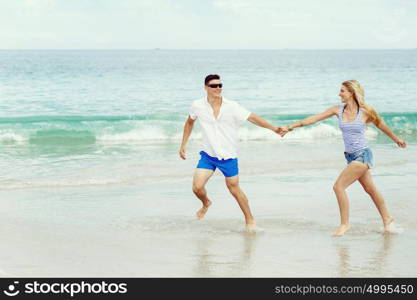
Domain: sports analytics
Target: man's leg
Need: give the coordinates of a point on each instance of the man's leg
(201, 176)
(234, 188)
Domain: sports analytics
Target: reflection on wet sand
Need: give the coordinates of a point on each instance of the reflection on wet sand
(376, 265)
(234, 262)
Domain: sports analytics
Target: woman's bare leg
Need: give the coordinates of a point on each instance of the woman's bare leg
(349, 175)
(368, 185)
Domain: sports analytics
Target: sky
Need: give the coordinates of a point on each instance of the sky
(208, 24)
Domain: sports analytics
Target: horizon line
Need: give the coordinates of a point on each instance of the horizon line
(197, 49)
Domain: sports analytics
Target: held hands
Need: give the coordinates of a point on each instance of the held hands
(282, 130)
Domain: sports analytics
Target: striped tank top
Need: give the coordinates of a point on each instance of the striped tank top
(353, 132)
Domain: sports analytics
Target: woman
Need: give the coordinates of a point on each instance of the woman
(353, 114)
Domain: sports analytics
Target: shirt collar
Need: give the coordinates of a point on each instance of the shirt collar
(224, 100)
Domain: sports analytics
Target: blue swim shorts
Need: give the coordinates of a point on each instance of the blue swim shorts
(229, 167)
(363, 156)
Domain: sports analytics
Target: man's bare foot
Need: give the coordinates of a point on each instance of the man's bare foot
(341, 230)
(202, 211)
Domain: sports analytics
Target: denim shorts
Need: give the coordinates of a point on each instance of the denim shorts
(229, 167)
(363, 156)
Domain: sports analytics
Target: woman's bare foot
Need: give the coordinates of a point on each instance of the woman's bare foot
(252, 227)
(341, 230)
(387, 222)
(202, 211)
(391, 227)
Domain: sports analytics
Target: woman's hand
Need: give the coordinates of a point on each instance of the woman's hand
(401, 143)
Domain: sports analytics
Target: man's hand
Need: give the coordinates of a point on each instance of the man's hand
(182, 153)
(188, 127)
(278, 130)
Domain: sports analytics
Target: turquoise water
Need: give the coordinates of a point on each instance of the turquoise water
(152, 82)
(72, 130)
(83, 97)
(89, 144)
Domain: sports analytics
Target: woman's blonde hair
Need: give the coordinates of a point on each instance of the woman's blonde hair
(358, 93)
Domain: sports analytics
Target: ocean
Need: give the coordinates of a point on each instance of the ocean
(92, 185)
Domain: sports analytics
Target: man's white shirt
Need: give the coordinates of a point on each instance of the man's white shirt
(221, 134)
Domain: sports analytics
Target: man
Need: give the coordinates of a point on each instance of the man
(220, 120)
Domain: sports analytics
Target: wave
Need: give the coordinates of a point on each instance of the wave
(74, 130)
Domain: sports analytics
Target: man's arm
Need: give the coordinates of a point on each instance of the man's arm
(257, 120)
(188, 128)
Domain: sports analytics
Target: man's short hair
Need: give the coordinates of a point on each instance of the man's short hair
(211, 77)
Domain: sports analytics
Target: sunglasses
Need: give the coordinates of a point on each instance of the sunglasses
(219, 85)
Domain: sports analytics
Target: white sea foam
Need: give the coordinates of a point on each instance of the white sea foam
(371, 133)
(397, 119)
(138, 134)
(254, 229)
(246, 133)
(321, 131)
(394, 228)
(36, 183)
(196, 135)
(12, 137)
(141, 131)
(253, 134)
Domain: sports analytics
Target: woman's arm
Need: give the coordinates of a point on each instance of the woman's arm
(385, 129)
(310, 120)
